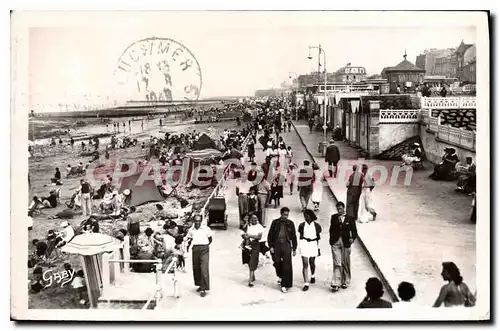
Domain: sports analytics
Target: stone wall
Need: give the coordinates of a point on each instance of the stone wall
(434, 149)
(457, 118)
(392, 134)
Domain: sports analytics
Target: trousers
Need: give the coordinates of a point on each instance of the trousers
(201, 256)
(341, 264)
(86, 204)
(282, 258)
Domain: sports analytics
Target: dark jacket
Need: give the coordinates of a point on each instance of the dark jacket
(300, 230)
(274, 232)
(332, 154)
(346, 230)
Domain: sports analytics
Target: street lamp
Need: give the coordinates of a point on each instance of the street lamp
(321, 50)
(296, 91)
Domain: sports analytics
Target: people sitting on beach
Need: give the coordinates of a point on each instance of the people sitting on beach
(466, 176)
(159, 214)
(445, 170)
(127, 197)
(137, 254)
(145, 241)
(57, 178)
(90, 225)
(45, 202)
(67, 233)
(39, 254)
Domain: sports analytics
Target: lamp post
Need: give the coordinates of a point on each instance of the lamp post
(321, 50)
(296, 91)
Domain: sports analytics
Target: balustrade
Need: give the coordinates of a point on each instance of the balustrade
(399, 115)
(449, 103)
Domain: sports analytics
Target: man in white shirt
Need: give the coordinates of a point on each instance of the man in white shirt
(200, 237)
(242, 191)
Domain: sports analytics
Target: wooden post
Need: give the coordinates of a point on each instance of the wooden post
(105, 271)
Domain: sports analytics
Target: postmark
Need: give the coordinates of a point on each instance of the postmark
(159, 69)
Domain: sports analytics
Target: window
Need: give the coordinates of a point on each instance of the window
(361, 70)
(347, 77)
(353, 77)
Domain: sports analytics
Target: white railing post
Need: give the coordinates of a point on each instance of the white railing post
(126, 254)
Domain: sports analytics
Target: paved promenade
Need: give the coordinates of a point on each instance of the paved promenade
(418, 225)
(229, 278)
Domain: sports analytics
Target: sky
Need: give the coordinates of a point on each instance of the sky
(238, 52)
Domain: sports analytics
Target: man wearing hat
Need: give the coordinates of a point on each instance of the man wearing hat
(332, 157)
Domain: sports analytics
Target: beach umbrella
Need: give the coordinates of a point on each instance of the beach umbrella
(88, 244)
(90, 247)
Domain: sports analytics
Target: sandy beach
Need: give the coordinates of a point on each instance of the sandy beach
(42, 168)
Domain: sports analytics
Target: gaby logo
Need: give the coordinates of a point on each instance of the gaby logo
(159, 69)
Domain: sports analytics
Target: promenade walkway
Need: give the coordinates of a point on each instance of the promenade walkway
(228, 277)
(418, 226)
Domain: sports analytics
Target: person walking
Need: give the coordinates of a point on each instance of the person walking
(309, 236)
(317, 193)
(282, 241)
(332, 158)
(306, 179)
(200, 237)
(252, 233)
(354, 190)
(242, 191)
(367, 188)
(264, 190)
(311, 124)
(86, 190)
(343, 232)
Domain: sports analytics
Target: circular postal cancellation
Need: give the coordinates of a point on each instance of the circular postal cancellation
(159, 69)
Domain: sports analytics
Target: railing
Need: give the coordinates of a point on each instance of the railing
(399, 115)
(158, 294)
(215, 192)
(456, 136)
(449, 103)
(434, 123)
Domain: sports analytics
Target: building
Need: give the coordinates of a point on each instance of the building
(350, 74)
(468, 69)
(445, 66)
(406, 75)
(429, 58)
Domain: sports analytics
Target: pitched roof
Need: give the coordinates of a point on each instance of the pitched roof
(405, 65)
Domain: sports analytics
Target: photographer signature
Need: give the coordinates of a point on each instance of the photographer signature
(57, 277)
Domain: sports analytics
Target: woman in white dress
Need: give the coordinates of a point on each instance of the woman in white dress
(309, 236)
(317, 187)
(366, 209)
(282, 158)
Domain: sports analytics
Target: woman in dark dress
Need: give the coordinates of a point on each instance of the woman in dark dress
(277, 189)
(251, 149)
(254, 204)
(446, 169)
(253, 233)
